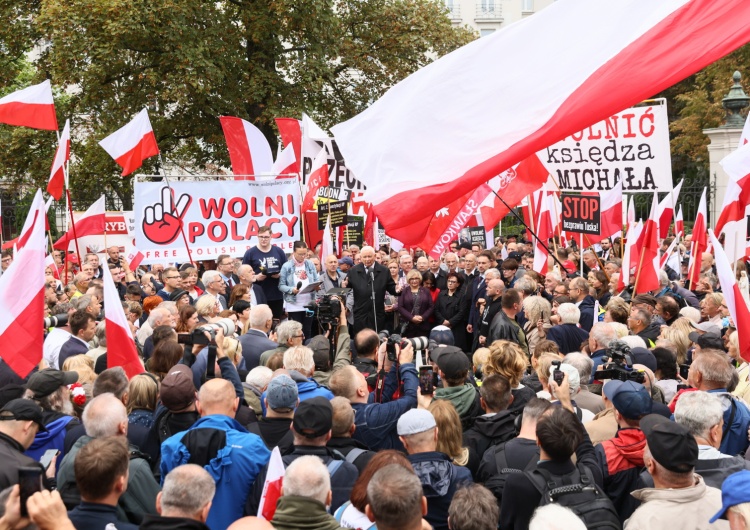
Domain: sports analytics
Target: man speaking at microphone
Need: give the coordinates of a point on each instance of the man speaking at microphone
(369, 282)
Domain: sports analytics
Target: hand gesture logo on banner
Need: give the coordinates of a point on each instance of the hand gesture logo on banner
(163, 220)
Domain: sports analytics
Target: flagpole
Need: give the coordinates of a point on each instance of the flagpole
(66, 174)
(182, 230)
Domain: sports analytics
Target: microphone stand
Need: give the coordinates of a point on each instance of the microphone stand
(372, 285)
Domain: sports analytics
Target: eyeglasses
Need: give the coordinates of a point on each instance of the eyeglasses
(301, 336)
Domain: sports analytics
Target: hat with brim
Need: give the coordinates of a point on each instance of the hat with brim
(46, 382)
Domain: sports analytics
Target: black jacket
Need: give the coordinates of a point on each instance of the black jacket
(492, 308)
(568, 337)
(650, 334)
(274, 432)
(93, 516)
(489, 431)
(587, 313)
(12, 457)
(519, 452)
(362, 287)
(346, 445)
(501, 328)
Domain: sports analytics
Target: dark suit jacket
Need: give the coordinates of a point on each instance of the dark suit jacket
(235, 281)
(254, 343)
(478, 290)
(72, 346)
(260, 296)
(362, 287)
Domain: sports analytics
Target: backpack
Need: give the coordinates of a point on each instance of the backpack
(578, 492)
(496, 482)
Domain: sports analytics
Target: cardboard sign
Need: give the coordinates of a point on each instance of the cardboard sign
(581, 213)
(218, 217)
(632, 145)
(338, 212)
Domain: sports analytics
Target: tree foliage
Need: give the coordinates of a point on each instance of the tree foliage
(191, 62)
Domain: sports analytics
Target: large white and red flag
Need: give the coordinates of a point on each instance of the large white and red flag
(633, 236)
(317, 179)
(737, 195)
(290, 130)
(679, 223)
(91, 223)
(647, 275)
(286, 162)
(32, 106)
(326, 249)
(121, 349)
(449, 142)
(249, 150)
(22, 297)
(732, 296)
(699, 242)
(666, 210)
(132, 144)
(544, 232)
(56, 183)
(37, 204)
(272, 486)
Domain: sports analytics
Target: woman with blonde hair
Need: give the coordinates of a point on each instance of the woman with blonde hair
(207, 307)
(509, 360)
(450, 435)
(143, 395)
(415, 306)
(83, 365)
(538, 312)
(680, 340)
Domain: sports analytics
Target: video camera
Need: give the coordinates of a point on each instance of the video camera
(418, 343)
(618, 365)
(327, 309)
(56, 321)
(198, 334)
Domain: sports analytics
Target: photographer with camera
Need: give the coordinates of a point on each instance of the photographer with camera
(324, 346)
(376, 420)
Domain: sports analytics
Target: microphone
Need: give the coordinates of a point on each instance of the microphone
(299, 285)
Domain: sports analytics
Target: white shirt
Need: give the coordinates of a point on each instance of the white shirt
(52, 344)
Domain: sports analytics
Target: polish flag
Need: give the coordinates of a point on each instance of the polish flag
(249, 150)
(545, 232)
(290, 130)
(732, 296)
(30, 107)
(610, 203)
(634, 233)
(134, 256)
(22, 298)
(699, 242)
(272, 486)
(371, 229)
(56, 182)
(679, 224)
(668, 254)
(447, 143)
(37, 205)
(326, 249)
(286, 163)
(666, 210)
(132, 144)
(318, 178)
(91, 223)
(647, 276)
(120, 345)
(631, 211)
(737, 196)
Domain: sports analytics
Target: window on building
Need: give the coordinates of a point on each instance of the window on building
(527, 6)
(485, 32)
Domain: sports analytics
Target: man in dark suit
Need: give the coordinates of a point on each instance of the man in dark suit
(363, 279)
(246, 276)
(256, 340)
(225, 266)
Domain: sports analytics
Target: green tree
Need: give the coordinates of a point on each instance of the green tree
(191, 62)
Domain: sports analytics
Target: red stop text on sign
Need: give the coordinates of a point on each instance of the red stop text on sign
(584, 208)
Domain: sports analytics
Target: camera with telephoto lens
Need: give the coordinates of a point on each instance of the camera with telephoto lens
(618, 365)
(198, 335)
(418, 343)
(327, 308)
(56, 321)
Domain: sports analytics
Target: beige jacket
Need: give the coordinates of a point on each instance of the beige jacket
(686, 508)
(602, 427)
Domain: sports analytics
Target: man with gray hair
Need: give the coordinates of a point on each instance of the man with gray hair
(567, 335)
(256, 340)
(246, 275)
(579, 292)
(601, 336)
(104, 416)
(215, 286)
(255, 384)
(185, 500)
(395, 500)
(585, 398)
(305, 496)
(289, 333)
(299, 361)
(159, 316)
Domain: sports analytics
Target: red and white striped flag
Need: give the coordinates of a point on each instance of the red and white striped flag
(30, 107)
(134, 256)
(699, 242)
(326, 249)
(56, 182)
(447, 142)
(249, 150)
(290, 130)
(666, 210)
(91, 223)
(634, 233)
(647, 275)
(544, 232)
(611, 215)
(737, 195)
(22, 297)
(132, 144)
(286, 162)
(272, 486)
(732, 296)
(679, 223)
(121, 349)
(317, 179)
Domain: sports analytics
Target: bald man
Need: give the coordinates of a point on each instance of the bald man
(367, 279)
(251, 523)
(215, 441)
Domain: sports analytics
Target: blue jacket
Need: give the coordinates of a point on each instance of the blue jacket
(376, 422)
(306, 388)
(734, 441)
(440, 479)
(233, 465)
(287, 283)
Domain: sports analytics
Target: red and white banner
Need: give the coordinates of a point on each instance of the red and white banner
(666, 210)
(132, 144)
(56, 183)
(90, 223)
(30, 107)
(121, 349)
(22, 297)
(633, 235)
(679, 223)
(217, 217)
(448, 142)
(249, 150)
(286, 163)
(318, 178)
(699, 242)
(290, 130)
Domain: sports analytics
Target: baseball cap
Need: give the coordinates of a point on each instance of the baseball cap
(670, 443)
(282, 393)
(347, 260)
(10, 392)
(706, 327)
(516, 256)
(313, 417)
(415, 421)
(734, 490)
(643, 356)
(452, 361)
(177, 388)
(707, 340)
(569, 266)
(629, 398)
(179, 293)
(46, 382)
(23, 410)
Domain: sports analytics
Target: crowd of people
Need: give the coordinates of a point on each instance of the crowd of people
(400, 391)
